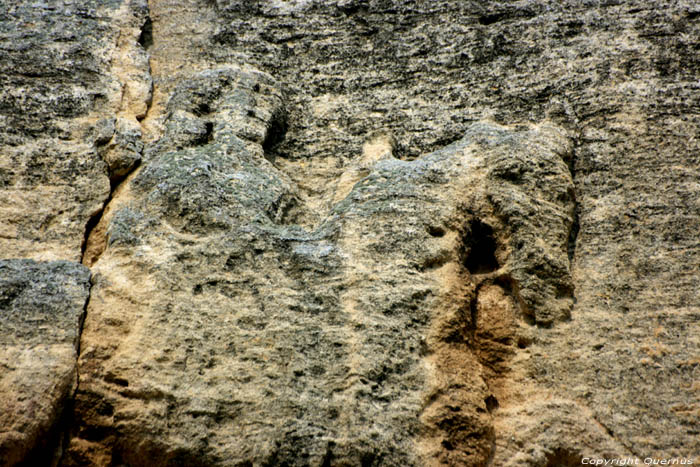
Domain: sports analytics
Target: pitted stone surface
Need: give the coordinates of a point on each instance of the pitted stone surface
(41, 308)
(364, 232)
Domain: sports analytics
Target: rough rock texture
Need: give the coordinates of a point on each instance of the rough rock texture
(65, 78)
(364, 232)
(336, 352)
(41, 308)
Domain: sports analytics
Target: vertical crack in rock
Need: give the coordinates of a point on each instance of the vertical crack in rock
(124, 150)
(95, 239)
(146, 36)
(66, 424)
(276, 131)
(41, 304)
(81, 320)
(89, 227)
(119, 143)
(573, 234)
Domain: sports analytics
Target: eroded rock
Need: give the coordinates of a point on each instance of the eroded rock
(60, 91)
(334, 234)
(362, 325)
(41, 309)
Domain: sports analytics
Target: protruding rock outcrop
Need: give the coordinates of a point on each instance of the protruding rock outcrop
(42, 307)
(363, 325)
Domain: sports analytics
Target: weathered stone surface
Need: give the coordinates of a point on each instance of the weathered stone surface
(61, 74)
(336, 352)
(41, 307)
(369, 232)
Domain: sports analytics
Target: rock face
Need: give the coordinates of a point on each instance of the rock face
(63, 83)
(349, 232)
(42, 308)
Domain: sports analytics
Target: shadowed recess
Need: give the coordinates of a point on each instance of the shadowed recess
(480, 248)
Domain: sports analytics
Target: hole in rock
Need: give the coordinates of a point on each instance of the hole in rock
(209, 132)
(562, 457)
(491, 19)
(146, 37)
(491, 403)
(95, 433)
(505, 341)
(524, 342)
(436, 231)
(276, 132)
(481, 248)
(121, 382)
(202, 109)
(368, 459)
(447, 445)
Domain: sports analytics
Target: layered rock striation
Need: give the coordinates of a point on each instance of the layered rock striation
(348, 232)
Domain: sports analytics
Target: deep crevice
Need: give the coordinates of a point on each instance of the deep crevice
(50, 449)
(94, 221)
(90, 226)
(276, 131)
(67, 419)
(328, 456)
(146, 37)
(68, 427)
(116, 180)
(573, 235)
(209, 132)
(480, 248)
(83, 315)
(145, 40)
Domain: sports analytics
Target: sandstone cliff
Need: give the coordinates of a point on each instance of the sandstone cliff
(349, 232)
